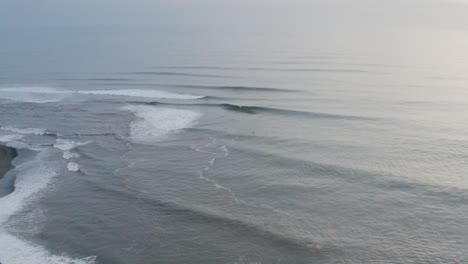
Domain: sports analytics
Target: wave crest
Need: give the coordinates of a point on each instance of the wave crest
(143, 93)
(154, 123)
(47, 94)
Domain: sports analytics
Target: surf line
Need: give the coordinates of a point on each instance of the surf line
(32, 176)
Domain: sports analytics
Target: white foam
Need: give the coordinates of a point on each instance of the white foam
(32, 177)
(31, 89)
(143, 93)
(48, 94)
(70, 155)
(73, 166)
(12, 141)
(8, 138)
(154, 123)
(32, 94)
(17, 251)
(30, 131)
(67, 145)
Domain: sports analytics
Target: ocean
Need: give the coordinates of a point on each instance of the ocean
(174, 145)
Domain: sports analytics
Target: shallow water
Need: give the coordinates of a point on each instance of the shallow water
(138, 146)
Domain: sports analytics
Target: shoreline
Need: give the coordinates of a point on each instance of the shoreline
(7, 155)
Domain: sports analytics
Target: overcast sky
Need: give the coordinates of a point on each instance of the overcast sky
(300, 13)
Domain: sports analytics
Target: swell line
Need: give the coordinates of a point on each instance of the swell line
(260, 109)
(235, 88)
(170, 73)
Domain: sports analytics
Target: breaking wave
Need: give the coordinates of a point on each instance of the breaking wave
(260, 109)
(32, 94)
(28, 131)
(32, 176)
(154, 123)
(47, 95)
(142, 93)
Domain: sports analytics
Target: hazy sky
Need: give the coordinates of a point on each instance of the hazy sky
(300, 13)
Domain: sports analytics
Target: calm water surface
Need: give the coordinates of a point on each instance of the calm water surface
(175, 145)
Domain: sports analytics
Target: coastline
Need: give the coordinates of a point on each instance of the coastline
(7, 155)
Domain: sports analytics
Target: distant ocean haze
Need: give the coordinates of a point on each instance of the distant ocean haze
(184, 144)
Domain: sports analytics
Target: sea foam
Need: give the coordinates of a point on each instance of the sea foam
(67, 146)
(17, 251)
(143, 93)
(32, 177)
(32, 94)
(73, 166)
(154, 123)
(29, 131)
(8, 138)
(47, 94)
